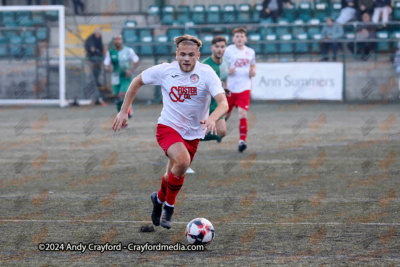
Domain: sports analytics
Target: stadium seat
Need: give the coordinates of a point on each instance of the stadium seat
(266, 29)
(254, 42)
(315, 45)
(3, 47)
(162, 47)
(183, 14)
(153, 11)
(206, 47)
(396, 11)
(315, 27)
(244, 14)
(336, 7)
(284, 47)
(146, 50)
(8, 18)
(16, 48)
(130, 37)
(255, 13)
(51, 15)
(37, 18)
(172, 34)
(144, 32)
(270, 48)
(130, 24)
(191, 31)
(26, 34)
(214, 14)
(30, 46)
(302, 47)
(383, 44)
(304, 11)
(320, 11)
(199, 14)
(167, 15)
(282, 28)
(229, 14)
(289, 13)
(23, 18)
(299, 27)
(396, 35)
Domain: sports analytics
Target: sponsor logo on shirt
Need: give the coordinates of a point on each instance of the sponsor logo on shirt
(180, 93)
(174, 76)
(241, 62)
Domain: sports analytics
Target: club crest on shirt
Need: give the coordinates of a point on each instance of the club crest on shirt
(194, 78)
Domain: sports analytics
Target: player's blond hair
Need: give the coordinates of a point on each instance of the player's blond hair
(188, 40)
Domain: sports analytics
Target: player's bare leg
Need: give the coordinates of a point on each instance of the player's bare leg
(179, 162)
(242, 129)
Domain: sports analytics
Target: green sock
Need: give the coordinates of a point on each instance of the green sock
(210, 137)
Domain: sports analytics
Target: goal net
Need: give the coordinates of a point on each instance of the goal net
(32, 56)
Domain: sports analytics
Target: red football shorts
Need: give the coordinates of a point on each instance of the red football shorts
(239, 100)
(166, 137)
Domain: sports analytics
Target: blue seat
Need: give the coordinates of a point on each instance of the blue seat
(383, 44)
(229, 14)
(167, 15)
(299, 27)
(255, 14)
(199, 14)
(191, 31)
(162, 48)
(146, 50)
(130, 37)
(214, 14)
(183, 14)
(3, 47)
(8, 18)
(244, 14)
(153, 10)
(315, 26)
(304, 11)
(172, 34)
(302, 47)
(289, 13)
(335, 9)
(206, 47)
(320, 11)
(283, 26)
(270, 48)
(130, 24)
(30, 46)
(254, 42)
(396, 11)
(285, 47)
(315, 45)
(16, 49)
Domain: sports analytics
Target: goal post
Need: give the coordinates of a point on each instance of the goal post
(20, 12)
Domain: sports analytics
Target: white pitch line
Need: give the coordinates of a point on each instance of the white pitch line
(266, 223)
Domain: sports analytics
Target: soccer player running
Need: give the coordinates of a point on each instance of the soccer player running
(220, 65)
(187, 86)
(243, 68)
(124, 61)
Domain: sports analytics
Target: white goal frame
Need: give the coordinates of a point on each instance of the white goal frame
(62, 102)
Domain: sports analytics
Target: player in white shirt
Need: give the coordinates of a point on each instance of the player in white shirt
(187, 86)
(243, 68)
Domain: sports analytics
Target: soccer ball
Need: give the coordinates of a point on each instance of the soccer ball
(200, 232)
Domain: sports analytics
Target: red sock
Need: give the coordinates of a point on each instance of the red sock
(174, 185)
(243, 129)
(163, 190)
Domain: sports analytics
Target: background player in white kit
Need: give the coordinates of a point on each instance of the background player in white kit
(187, 86)
(243, 68)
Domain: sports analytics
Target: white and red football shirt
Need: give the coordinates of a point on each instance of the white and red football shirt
(186, 96)
(241, 59)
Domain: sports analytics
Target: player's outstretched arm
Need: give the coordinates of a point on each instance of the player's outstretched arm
(252, 70)
(122, 116)
(220, 111)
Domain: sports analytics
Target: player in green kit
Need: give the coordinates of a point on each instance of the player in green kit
(221, 66)
(124, 61)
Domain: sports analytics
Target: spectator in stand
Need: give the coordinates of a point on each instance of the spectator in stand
(365, 6)
(78, 4)
(273, 9)
(330, 33)
(348, 12)
(397, 63)
(363, 33)
(382, 7)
